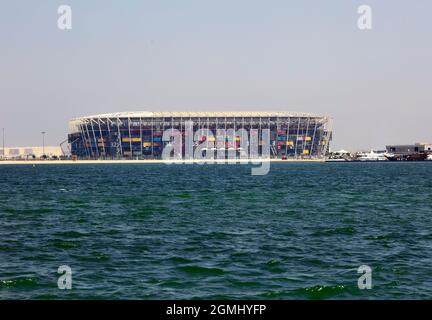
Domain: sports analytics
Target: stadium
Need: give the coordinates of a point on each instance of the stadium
(138, 135)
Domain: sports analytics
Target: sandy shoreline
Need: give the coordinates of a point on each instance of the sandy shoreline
(63, 162)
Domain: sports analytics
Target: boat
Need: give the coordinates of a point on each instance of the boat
(417, 157)
(371, 156)
(392, 157)
(409, 157)
(336, 160)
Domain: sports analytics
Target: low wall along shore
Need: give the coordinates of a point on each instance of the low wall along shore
(62, 162)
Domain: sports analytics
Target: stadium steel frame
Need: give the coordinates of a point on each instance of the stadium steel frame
(138, 135)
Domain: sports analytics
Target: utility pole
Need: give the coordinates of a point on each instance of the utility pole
(43, 144)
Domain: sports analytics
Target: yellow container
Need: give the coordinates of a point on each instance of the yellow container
(305, 151)
(147, 144)
(131, 139)
(290, 143)
(308, 138)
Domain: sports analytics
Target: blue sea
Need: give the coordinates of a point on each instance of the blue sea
(150, 231)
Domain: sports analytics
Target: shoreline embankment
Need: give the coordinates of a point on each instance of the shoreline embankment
(216, 161)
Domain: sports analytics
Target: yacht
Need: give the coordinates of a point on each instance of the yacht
(372, 156)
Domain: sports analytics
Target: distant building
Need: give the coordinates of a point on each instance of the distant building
(409, 148)
(29, 152)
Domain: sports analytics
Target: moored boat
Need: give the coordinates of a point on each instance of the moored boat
(372, 156)
(409, 157)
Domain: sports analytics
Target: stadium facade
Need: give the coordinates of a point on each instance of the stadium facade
(139, 135)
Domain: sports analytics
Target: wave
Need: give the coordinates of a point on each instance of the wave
(336, 231)
(201, 270)
(321, 291)
(19, 283)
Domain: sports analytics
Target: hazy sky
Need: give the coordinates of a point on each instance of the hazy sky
(233, 55)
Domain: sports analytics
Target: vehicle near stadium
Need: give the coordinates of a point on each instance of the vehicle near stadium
(139, 135)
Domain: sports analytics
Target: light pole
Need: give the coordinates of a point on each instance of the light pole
(4, 151)
(43, 144)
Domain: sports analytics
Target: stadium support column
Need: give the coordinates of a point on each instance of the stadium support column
(207, 136)
(172, 131)
(119, 138)
(225, 140)
(297, 136)
(84, 139)
(277, 135)
(152, 142)
(163, 130)
(89, 138)
(269, 128)
(243, 138)
(182, 135)
(101, 137)
(130, 138)
(94, 137)
(307, 134)
(260, 135)
(108, 123)
(141, 138)
(287, 137)
(189, 139)
(313, 138)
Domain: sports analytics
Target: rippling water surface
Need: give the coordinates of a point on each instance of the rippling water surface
(192, 231)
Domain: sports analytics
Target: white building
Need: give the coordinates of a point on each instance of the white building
(30, 152)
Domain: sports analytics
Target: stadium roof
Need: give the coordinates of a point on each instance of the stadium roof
(176, 114)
